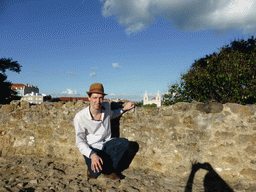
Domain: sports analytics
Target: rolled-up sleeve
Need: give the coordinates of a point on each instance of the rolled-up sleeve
(81, 141)
(116, 113)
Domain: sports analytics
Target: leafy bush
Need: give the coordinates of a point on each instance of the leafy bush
(177, 93)
(7, 93)
(149, 105)
(227, 76)
(139, 104)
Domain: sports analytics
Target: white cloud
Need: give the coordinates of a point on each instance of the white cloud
(92, 74)
(195, 15)
(37, 71)
(70, 92)
(71, 73)
(116, 65)
(94, 67)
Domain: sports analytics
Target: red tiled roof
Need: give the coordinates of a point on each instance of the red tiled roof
(73, 98)
(18, 85)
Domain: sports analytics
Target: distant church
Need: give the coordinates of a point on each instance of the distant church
(156, 100)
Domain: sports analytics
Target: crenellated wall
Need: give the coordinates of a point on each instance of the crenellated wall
(169, 138)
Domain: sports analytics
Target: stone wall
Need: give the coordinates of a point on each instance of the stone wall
(170, 138)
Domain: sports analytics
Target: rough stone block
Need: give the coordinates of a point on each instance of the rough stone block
(24, 105)
(151, 111)
(224, 135)
(58, 105)
(252, 119)
(247, 138)
(212, 107)
(46, 106)
(8, 151)
(7, 140)
(182, 106)
(62, 141)
(197, 135)
(17, 114)
(230, 160)
(166, 111)
(241, 109)
(188, 122)
(3, 131)
(128, 118)
(249, 173)
(69, 104)
(8, 108)
(59, 131)
(79, 103)
(43, 122)
(44, 132)
(12, 124)
(171, 121)
(32, 126)
(15, 102)
(251, 150)
(222, 147)
(67, 127)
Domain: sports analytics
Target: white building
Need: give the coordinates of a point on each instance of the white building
(33, 98)
(156, 100)
(24, 89)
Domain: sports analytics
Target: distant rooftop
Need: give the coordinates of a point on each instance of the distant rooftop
(34, 94)
(75, 99)
(17, 86)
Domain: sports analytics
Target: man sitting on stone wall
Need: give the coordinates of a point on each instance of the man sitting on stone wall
(93, 135)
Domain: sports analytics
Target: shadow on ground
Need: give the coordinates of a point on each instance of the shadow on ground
(212, 181)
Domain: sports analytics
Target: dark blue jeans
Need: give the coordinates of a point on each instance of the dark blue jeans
(111, 155)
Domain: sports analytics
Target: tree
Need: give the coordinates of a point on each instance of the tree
(227, 76)
(6, 91)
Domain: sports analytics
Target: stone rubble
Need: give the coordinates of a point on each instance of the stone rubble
(36, 174)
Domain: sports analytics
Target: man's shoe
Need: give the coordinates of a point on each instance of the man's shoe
(114, 176)
(89, 175)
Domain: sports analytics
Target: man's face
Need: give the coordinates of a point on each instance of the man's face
(96, 101)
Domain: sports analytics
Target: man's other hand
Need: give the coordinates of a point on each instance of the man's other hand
(96, 162)
(129, 106)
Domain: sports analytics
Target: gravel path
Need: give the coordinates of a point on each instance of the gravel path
(33, 174)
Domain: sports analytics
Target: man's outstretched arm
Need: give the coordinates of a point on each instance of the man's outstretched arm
(129, 106)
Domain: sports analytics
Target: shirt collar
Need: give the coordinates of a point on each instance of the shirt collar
(90, 116)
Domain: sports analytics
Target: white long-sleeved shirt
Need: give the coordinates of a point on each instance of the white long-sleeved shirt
(93, 133)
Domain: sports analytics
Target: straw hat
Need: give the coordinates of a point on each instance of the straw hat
(96, 88)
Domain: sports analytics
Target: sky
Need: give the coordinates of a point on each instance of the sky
(129, 46)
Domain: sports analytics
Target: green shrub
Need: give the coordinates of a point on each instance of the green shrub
(227, 76)
(149, 105)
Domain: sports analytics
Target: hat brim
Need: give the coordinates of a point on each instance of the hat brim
(95, 92)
